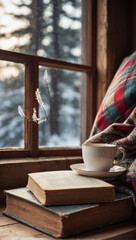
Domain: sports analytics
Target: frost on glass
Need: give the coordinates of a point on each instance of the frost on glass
(48, 28)
(11, 95)
(62, 129)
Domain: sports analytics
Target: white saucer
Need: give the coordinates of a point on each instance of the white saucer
(114, 172)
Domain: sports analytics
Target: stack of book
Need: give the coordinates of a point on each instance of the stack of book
(62, 203)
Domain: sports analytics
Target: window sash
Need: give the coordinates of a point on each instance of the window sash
(32, 64)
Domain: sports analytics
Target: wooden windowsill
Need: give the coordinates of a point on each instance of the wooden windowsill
(14, 172)
(39, 160)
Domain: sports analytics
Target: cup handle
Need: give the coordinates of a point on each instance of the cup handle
(115, 162)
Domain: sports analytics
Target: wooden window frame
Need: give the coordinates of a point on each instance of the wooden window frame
(88, 89)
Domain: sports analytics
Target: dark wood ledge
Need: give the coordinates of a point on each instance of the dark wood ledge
(14, 172)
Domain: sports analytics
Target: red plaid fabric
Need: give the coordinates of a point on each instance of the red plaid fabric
(116, 119)
(120, 98)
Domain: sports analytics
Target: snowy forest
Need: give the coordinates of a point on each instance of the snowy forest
(47, 28)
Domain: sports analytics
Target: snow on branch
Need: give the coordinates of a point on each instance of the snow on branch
(35, 118)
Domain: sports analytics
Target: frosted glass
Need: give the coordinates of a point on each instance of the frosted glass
(46, 28)
(11, 95)
(62, 129)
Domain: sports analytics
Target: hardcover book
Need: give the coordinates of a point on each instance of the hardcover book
(65, 220)
(66, 187)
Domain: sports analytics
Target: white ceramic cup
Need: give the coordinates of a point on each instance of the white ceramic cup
(100, 156)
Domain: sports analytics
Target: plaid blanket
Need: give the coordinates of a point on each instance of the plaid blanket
(116, 119)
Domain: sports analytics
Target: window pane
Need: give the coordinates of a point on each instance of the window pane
(62, 129)
(11, 95)
(49, 28)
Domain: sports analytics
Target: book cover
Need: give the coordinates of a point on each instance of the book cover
(66, 187)
(65, 220)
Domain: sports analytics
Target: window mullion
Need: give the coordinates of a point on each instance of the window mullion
(31, 128)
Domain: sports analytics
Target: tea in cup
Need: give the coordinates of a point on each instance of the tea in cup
(100, 156)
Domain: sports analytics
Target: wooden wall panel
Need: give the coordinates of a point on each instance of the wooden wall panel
(119, 32)
(133, 25)
(101, 49)
(114, 39)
